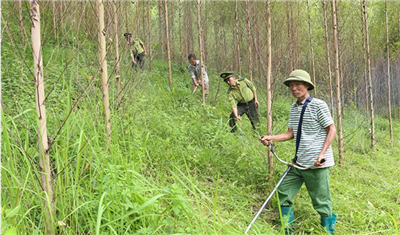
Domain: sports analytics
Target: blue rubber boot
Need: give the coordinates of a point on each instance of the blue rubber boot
(329, 223)
(288, 217)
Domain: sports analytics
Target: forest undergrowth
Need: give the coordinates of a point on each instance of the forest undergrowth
(173, 165)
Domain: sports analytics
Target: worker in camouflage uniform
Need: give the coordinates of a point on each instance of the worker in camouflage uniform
(242, 97)
(138, 51)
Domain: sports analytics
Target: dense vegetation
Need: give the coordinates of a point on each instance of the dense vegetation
(173, 166)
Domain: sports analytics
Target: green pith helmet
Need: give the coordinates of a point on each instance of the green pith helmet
(301, 76)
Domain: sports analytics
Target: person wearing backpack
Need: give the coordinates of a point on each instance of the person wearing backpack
(311, 123)
(242, 96)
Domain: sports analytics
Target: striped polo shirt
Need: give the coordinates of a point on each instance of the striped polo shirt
(313, 134)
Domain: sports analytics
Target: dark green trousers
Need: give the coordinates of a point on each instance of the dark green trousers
(317, 183)
(250, 110)
(139, 58)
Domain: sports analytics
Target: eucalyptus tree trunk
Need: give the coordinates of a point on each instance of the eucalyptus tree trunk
(398, 67)
(44, 158)
(269, 86)
(180, 29)
(249, 40)
(371, 96)
(149, 27)
(160, 22)
(143, 18)
(137, 17)
(339, 41)
(364, 56)
(237, 37)
(171, 30)
(290, 36)
(337, 79)
(388, 72)
(328, 59)
(116, 45)
(104, 72)
(186, 24)
(21, 22)
(168, 49)
(54, 20)
(205, 34)
(312, 49)
(200, 48)
(398, 85)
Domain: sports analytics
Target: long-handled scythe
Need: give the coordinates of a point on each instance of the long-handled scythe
(290, 166)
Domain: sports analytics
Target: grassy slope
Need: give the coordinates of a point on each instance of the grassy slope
(174, 167)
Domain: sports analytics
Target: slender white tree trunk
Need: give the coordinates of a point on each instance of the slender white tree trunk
(44, 162)
(364, 54)
(388, 72)
(168, 45)
(149, 44)
(312, 49)
(237, 37)
(54, 20)
(180, 28)
(200, 47)
(337, 79)
(104, 71)
(249, 40)
(371, 96)
(269, 86)
(328, 59)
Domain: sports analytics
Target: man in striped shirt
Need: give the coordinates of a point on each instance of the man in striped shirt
(317, 133)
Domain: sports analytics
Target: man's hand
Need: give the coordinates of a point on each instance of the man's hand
(266, 140)
(239, 118)
(145, 53)
(257, 103)
(134, 62)
(320, 161)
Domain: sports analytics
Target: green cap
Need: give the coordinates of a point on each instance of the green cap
(226, 76)
(301, 76)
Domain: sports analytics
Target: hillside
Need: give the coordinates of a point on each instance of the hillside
(174, 167)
